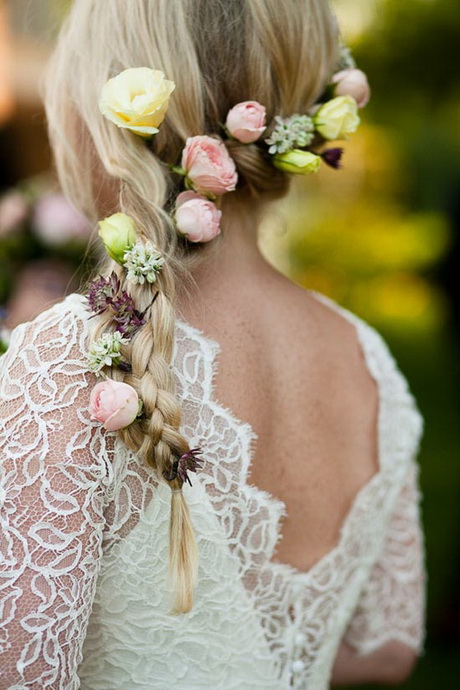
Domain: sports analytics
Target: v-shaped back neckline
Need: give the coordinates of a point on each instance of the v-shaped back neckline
(279, 506)
(396, 408)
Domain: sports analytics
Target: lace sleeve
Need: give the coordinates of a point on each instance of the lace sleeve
(55, 470)
(392, 604)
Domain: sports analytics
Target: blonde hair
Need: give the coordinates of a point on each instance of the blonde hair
(219, 53)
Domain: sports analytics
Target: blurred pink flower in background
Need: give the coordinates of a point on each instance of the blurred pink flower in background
(352, 82)
(55, 221)
(13, 211)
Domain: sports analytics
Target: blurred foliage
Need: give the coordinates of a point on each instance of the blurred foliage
(411, 55)
(376, 237)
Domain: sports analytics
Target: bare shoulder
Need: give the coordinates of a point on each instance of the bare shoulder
(316, 326)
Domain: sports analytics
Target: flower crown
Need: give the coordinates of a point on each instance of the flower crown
(137, 99)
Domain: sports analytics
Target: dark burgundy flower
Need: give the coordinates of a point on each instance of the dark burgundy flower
(127, 317)
(102, 292)
(332, 157)
(189, 462)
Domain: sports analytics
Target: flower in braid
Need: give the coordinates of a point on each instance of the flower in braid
(135, 305)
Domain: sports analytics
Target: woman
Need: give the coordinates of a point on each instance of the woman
(295, 554)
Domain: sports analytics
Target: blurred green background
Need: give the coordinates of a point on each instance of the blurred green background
(381, 237)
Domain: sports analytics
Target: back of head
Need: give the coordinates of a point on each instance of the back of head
(218, 53)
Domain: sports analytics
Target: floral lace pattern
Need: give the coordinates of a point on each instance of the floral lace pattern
(83, 554)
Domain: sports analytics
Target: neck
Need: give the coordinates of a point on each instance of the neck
(233, 260)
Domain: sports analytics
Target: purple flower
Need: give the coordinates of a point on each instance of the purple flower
(102, 293)
(332, 157)
(129, 320)
(105, 293)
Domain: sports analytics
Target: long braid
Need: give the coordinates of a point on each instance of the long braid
(155, 437)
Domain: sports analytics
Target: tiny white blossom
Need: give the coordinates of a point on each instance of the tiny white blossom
(105, 351)
(143, 262)
(291, 132)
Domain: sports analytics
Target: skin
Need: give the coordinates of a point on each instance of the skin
(294, 370)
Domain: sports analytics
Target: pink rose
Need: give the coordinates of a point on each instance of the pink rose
(114, 404)
(352, 82)
(56, 221)
(209, 166)
(246, 121)
(196, 217)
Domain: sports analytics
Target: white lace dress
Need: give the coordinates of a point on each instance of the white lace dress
(84, 537)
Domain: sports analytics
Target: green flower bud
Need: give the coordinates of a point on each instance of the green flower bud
(297, 162)
(118, 233)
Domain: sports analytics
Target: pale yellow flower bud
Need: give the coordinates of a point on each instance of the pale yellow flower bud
(118, 233)
(337, 118)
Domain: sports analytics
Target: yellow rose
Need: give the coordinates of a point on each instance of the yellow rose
(337, 118)
(118, 233)
(137, 99)
(298, 162)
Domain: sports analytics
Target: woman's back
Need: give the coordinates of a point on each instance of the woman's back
(295, 371)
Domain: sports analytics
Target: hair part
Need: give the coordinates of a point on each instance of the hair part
(219, 53)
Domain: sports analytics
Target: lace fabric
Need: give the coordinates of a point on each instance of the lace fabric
(83, 566)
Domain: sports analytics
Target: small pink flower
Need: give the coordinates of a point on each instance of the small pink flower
(246, 121)
(57, 222)
(209, 166)
(13, 211)
(352, 82)
(196, 217)
(114, 404)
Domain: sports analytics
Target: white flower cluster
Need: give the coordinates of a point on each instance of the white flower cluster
(143, 262)
(292, 132)
(106, 351)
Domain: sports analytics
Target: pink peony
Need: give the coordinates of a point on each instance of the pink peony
(114, 404)
(246, 121)
(57, 222)
(352, 82)
(196, 217)
(209, 166)
(13, 211)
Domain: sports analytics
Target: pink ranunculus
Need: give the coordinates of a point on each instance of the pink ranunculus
(114, 404)
(13, 211)
(246, 121)
(352, 82)
(196, 217)
(208, 165)
(57, 222)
